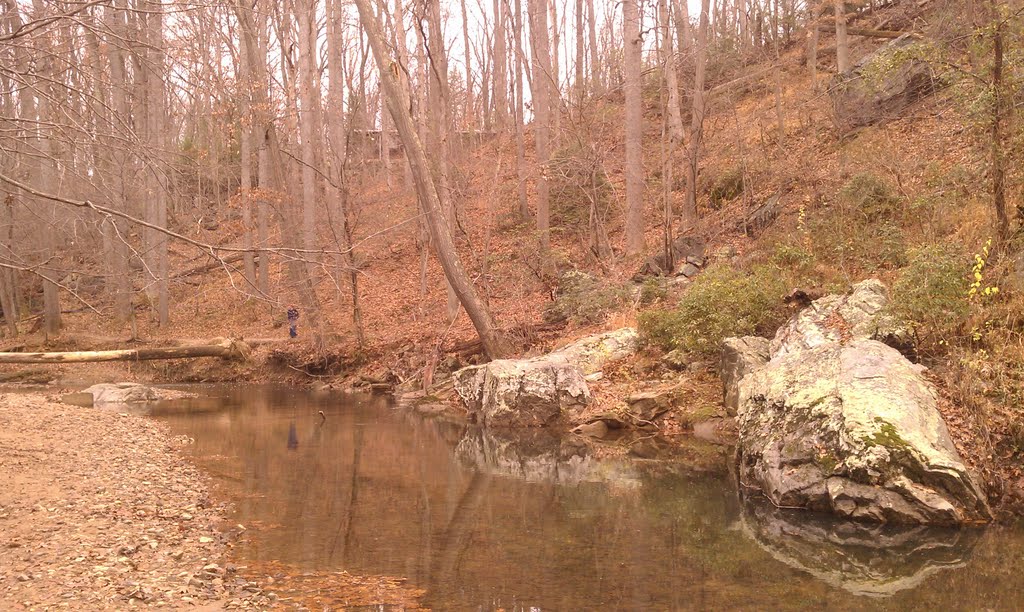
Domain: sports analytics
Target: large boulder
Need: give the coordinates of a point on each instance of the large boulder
(857, 315)
(852, 428)
(882, 85)
(539, 391)
(591, 353)
(122, 393)
(522, 392)
(740, 356)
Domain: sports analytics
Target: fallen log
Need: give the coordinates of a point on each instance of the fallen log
(217, 263)
(225, 349)
(871, 33)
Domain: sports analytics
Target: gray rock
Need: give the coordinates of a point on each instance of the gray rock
(522, 392)
(646, 406)
(689, 270)
(857, 315)
(740, 356)
(852, 429)
(540, 391)
(122, 393)
(762, 217)
(593, 352)
(882, 85)
(684, 248)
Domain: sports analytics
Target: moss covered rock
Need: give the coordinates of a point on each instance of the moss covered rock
(852, 428)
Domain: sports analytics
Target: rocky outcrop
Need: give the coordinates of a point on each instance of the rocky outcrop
(539, 391)
(882, 85)
(740, 356)
(522, 392)
(591, 353)
(857, 315)
(841, 423)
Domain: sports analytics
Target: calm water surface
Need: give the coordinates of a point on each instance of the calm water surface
(486, 521)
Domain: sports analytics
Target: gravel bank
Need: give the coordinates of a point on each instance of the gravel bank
(100, 511)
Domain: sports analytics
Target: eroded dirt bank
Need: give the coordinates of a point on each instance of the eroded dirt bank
(100, 510)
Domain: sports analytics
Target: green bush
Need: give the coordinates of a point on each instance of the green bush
(728, 186)
(721, 302)
(583, 299)
(653, 289)
(856, 244)
(791, 256)
(871, 196)
(930, 294)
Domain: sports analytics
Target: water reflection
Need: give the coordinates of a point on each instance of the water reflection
(489, 520)
(862, 558)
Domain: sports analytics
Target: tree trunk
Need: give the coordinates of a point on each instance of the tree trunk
(595, 62)
(517, 27)
(998, 155)
(397, 99)
(633, 128)
(842, 41)
(697, 116)
(541, 115)
(228, 349)
(500, 61)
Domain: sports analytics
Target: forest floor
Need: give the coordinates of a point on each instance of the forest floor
(102, 510)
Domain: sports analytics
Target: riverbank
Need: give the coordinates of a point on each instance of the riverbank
(100, 511)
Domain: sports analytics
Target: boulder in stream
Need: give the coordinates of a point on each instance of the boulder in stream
(542, 390)
(838, 422)
(522, 392)
(125, 393)
(740, 356)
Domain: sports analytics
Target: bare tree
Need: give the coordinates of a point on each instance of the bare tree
(633, 127)
(699, 96)
(397, 97)
(542, 114)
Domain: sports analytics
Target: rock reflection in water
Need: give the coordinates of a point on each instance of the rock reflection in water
(485, 521)
(541, 456)
(868, 559)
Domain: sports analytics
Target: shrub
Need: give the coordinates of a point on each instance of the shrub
(727, 187)
(871, 196)
(721, 302)
(583, 299)
(930, 294)
(653, 289)
(577, 181)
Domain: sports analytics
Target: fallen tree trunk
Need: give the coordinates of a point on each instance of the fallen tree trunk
(225, 349)
(211, 265)
(870, 33)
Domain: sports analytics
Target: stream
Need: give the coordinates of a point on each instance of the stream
(489, 520)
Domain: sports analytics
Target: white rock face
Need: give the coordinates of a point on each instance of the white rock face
(591, 353)
(740, 356)
(522, 392)
(835, 318)
(121, 393)
(840, 423)
(540, 391)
